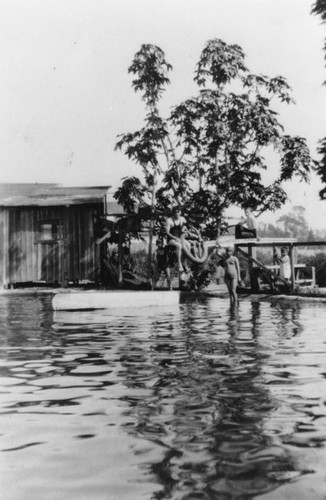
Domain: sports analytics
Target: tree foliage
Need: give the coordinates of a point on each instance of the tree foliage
(210, 152)
(319, 8)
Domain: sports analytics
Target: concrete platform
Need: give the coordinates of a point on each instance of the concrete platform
(105, 299)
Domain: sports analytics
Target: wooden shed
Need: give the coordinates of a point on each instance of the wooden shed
(48, 233)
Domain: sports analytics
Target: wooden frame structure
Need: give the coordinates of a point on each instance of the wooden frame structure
(292, 244)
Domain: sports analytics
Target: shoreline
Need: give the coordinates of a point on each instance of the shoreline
(316, 295)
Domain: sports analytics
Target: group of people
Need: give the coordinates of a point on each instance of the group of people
(176, 227)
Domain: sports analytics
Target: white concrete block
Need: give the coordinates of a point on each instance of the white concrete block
(104, 299)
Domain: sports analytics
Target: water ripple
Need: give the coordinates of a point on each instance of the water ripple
(195, 402)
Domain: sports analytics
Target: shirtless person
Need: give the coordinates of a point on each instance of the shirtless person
(247, 227)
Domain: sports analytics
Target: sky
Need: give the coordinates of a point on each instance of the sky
(65, 91)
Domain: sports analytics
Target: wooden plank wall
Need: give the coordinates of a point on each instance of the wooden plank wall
(20, 245)
(4, 248)
(80, 243)
(48, 254)
(24, 259)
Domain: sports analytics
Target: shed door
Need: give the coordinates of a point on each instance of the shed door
(50, 251)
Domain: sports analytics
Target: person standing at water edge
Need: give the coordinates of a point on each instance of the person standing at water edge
(174, 227)
(231, 273)
(162, 263)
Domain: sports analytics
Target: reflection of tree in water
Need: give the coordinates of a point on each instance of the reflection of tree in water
(207, 405)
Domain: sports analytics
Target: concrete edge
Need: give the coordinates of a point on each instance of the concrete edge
(268, 297)
(183, 294)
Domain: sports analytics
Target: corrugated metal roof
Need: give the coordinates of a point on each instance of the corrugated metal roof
(16, 195)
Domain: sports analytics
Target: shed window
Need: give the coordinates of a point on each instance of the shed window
(51, 230)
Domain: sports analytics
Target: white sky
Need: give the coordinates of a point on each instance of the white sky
(65, 93)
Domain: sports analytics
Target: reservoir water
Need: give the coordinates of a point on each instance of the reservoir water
(193, 402)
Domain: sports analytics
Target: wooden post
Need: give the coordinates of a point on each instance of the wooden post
(62, 252)
(120, 277)
(97, 270)
(61, 262)
(292, 269)
(313, 276)
(250, 267)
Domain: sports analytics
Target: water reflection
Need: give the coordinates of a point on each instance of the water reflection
(208, 407)
(199, 401)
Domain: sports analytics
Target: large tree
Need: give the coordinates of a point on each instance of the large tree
(210, 152)
(319, 8)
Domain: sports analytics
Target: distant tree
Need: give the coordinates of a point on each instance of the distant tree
(271, 231)
(294, 223)
(319, 8)
(290, 225)
(209, 153)
(311, 235)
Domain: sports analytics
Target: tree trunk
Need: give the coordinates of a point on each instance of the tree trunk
(151, 228)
